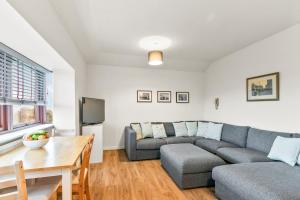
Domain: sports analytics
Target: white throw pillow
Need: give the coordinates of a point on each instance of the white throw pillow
(202, 129)
(138, 130)
(285, 150)
(147, 129)
(192, 128)
(159, 131)
(298, 161)
(180, 129)
(214, 131)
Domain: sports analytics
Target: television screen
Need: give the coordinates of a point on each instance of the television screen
(93, 110)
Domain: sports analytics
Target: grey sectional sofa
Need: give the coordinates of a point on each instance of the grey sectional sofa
(248, 173)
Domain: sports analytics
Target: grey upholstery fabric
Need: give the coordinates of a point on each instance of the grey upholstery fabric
(262, 140)
(242, 155)
(169, 128)
(225, 193)
(147, 154)
(188, 165)
(185, 181)
(212, 145)
(235, 134)
(296, 135)
(130, 143)
(260, 181)
(188, 158)
(177, 140)
(150, 143)
(195, 138)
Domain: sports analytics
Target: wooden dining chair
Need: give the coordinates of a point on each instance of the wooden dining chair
(80, 185)
(13, 185)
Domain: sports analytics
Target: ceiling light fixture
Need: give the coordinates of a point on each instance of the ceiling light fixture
(154, 45)
(155, 58)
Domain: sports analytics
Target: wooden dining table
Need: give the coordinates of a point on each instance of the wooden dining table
(57, 158)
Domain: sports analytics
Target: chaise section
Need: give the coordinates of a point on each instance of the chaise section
(257, 181)
(242, 155)
(188, 165)
(212, 145)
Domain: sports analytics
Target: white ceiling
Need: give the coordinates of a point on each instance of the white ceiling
(108, 31)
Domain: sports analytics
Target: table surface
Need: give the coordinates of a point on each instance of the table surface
(58, 153)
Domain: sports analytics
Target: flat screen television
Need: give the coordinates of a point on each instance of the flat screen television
(92, 111)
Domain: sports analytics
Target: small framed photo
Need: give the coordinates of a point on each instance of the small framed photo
(182, 97)
(164, 96)
(144, 96)
(263, 88)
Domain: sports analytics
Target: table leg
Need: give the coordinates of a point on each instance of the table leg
(67, 184)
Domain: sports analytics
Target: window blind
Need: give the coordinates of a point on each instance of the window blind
(21, 80)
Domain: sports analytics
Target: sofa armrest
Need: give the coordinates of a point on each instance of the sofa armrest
(130, 143)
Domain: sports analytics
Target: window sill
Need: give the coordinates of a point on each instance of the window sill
(13, 135)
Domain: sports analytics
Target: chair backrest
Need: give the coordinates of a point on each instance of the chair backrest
(12, 176)
(86, 160)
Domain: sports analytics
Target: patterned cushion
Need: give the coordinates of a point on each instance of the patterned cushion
(147, 130)
(180, 129)
(192, 128)
(158, 131)
(138, 130)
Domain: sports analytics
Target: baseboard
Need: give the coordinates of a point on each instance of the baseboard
(114, 148)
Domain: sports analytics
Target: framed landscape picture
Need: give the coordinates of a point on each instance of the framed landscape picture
(163, 96)
(144, 96)
(182, 97)
(263, 88)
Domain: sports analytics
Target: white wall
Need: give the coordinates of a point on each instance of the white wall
(64, 100)
(226, 79)
(119, 85)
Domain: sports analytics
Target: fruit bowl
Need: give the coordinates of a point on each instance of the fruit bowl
(36, 140)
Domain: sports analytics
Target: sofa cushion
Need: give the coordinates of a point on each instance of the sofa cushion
(180, 129)
(138, 130)
(147, 130)
(158, 131)
(176, 140)
(192, 128)
(202, 129)
(262, 140)
(285, 150)
(150, 143)
(214, 131)
(169, 129)
(195, 138)
(235, 134)
(260, 181)
(242, 155)
(212, 145)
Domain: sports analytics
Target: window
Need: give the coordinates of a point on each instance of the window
(24, 115)
(24, 86)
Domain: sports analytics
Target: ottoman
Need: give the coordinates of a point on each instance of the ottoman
(188, 165)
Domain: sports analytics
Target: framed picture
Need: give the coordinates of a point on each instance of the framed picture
(182, 97)
(144, 96)
(263, 88)
(163, 96)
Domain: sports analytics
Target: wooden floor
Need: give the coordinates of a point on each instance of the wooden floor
(118, 179)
